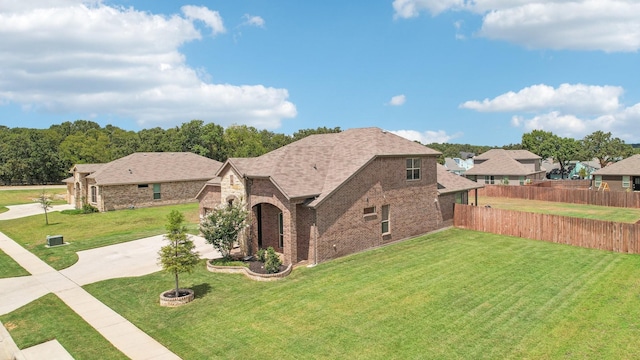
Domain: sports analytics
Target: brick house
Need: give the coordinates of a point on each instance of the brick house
(508, 167)
(140, 180)
(329, 195)
(453, 189)
(623, 175)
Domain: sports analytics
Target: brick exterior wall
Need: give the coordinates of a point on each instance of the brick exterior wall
(209, 199)
(340, 220)
(123, 196)
(262, 191)
(446, 203)
(342, 227)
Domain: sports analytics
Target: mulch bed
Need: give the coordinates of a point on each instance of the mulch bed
(258, 267)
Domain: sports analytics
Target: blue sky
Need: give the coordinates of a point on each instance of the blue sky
(482, 72)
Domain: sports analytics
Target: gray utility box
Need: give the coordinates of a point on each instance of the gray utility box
(54, 240)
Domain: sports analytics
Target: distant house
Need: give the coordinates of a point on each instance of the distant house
(140, 180)
(458, 166)
(454, 189)
(330, 195)
(508, 167)
(623, 175)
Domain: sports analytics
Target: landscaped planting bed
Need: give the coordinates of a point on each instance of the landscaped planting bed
(452, 294)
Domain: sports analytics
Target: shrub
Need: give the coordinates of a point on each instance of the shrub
(88, 209)
(72, 212)
(260, 255)
(272, 261)
(222, 226)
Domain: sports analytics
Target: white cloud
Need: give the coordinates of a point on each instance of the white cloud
(609, 26)
(426, 137)
(569, 110)
(252, 20)
(87, 57)
(412, 8)
(398, 100)
(211, 18)
(578, 98)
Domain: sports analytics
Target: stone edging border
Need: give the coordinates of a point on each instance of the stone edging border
(181, 300)
(248, 273)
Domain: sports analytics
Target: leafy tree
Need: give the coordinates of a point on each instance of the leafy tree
(180, 255)
(45, 203)
(300, 134)
(222, 226)
(548, 145)
(602, 146)
(243, 141)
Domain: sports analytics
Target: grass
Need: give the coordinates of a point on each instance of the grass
(17, 197)
(88, 231)
(453, 294)
(10, 268)
(606, 213)
(49, 318)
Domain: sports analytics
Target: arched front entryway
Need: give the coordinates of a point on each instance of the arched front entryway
(268, 222)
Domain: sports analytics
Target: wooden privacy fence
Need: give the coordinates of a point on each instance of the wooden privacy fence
(574, 196)
(588, 233)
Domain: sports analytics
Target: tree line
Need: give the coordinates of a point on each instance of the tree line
(44, 156)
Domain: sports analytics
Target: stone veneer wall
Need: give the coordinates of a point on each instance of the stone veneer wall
(232, 188)
(116, 197)
(343, 228)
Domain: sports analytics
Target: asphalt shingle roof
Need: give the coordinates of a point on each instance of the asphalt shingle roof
(503, 162)
(453, 183)
(318, 164)
(156, 167)
(628, 166)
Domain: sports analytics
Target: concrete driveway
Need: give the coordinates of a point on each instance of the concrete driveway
(18, 211)
(133, 258)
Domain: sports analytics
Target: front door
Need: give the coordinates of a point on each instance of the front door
(636, 183)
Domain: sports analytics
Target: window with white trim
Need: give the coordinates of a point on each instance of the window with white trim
(626, 181)
(598, 181)
(413, 169)
(385, 220)
(489, 179)
(94, 194)
(521, 180)
(371, 210)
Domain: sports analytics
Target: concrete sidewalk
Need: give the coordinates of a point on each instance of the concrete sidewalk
(132, 341)
(18, 211)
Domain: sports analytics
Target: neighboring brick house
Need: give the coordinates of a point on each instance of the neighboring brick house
(330, 195)
(454, 189)
(512, 167)
(141, 180)
(623, 175)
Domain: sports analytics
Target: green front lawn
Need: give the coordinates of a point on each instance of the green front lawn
(452, 294)
(10, 268)
(88, 231)
(49, 318)
(17, 197)
(606, 213)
